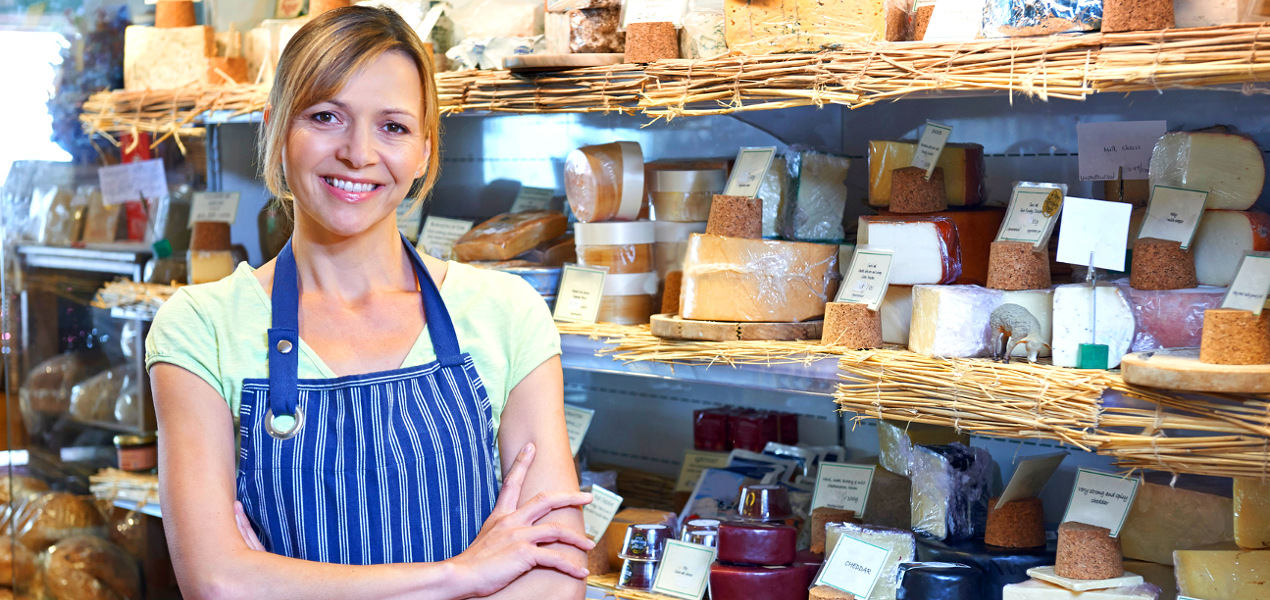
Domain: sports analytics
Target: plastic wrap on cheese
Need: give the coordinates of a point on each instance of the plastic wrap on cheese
(734, 279)
(774, 192)
(1223, 238)
(927, 249)
(901, 544)
(1026, 18)
(951, 321)
(962, 164)
(812, 25)
(606, 182)
(818, 197)
(702, 35)
(951, 487)
(1169, 318)
(508, 235)
(1230, 167)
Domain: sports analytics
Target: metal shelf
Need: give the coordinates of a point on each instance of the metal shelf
(151, 508)
(121, 259)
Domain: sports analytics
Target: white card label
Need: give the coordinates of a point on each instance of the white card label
(1173, 214)
(868, 277)
(1101, 499)
(654, 11)
(748, 171)
(532, 198)
(577, 420)
(955, 20)
(215, 207)
(684, 570)
(130, 182)
(1251, 285)
(597, 515)
(695, 463)
(1032, 214)
(1108, 151)
(853, 567)
(1094, 227)
(578, 300)
(843, 486)
(1030, 477)
(439, 235)
(934, 136)
(409, 221)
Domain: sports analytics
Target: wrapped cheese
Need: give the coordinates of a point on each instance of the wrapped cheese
(1025, 18)
(951, 488)
(1229, 167)
(962, 165)
(730, 279)
(901, 544)
(622, 247)
(819, 197)
(1074, 315)
(897, 439)
(510, 234)
(927, 249)
(811, 25)
(1169, 318)
(606, 182)
(952, 321)
(1222, 239)
(774, 191)
(684, 195)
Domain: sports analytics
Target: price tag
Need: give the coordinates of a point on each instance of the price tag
(577, 420)
(597, 515)
(1031, 476)
(1034, 209)
(532, 198)
(843, 486)
(130, 182)
(654, 11)
(853, 567)
(1094, 227)
(1173, 214)
(868, 277)
(684, 570)
(748, 171)
(439, 235)
(409, 221)
(1101, 499)
(695, 463)
(215, 207)
(1109, 151)
(1251, 285)
(955, 20)
(578, 300)
(934, 136)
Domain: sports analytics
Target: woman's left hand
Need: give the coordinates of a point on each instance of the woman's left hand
(244, 527)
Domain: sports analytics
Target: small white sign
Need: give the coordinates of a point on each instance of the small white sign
(439, 235)
(684, 570)
(215, 207)
(1116, 150)
(1094, 227)
(1101, 499)
(854, 566)
(654, 11)
(1173, 214)
(930, 146)
(1030, 477)
(577, 420)
(130, 182)
(578, 300)
(1251, 285)
(868, 277)
(409, 221)
(955, 20)
(532, 198)
(748, 171)
(843, 486)
(695, 463)
(1032, 214)
(597, 515)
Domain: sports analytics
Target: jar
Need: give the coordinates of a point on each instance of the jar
(138, 453)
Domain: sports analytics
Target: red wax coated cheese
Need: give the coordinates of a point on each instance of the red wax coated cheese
(927, 250)
(739, 582)
(757, 543)
(976, 230)
(710, 430)
(752, 430)
(788, 425)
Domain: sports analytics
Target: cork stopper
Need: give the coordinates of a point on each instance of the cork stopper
(670, 294)
(1015, 266)
(1137, 15)
(1087, 552)
(921, 20)
(852, 325)
(824, 592)
(174, 13)
(1235, 337)
(648, 42)
(1018, 524)
(208, 235)
(1161, 265)
(820, 517)
(597, 559)
(912, 193)
(226, 70)
(736, 216)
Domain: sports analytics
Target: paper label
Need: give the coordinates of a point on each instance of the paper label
(695, 463)
(934, 136)
(955, 20)
(1101, 499)
(578, 300)
(684, 570)
(1251, 285)
(409, 221)
(748, 171)
(1030, 477)
(654, 11)
(1031, 216)
(577, 420)
(853, 567)
(843, 486)
(868, 277)
(130, 182)
(1108, 151)
(597, 515)
(1173, 214)
(1097, 227)
(439, 235)
(214, 207)
(532, 198)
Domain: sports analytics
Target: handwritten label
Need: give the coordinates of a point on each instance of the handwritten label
(577, 420)
(934, 136)
(1101, 499)
(654, 11)
(695, 463)
(439, 235)
(578, 300)
(130, 182)
(868, 277)
(843, 486)
(215, 207)
(1094, 227)
(748, 171)
(854, 566)
(684, 570)
(1115, 150)
(597, 515)
(409, 221)
(955, 20)
(1251, 285)
(532, 198)
(1032, 214)
(1173, 214)
(1030, 477)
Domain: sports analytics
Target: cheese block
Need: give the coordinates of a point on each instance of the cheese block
(606, 182)
(896, 440)
(206, 266)
(702, 35)
(1170, 318)
(1206, 13)
(951, 487)
(888, 502)
(901, 544)
(1087, 552)
(166, 58)
(962, 165)
(754, 543)
(616, 532)
(683, 194)
(672, 245)
(818, 197)
(927, 249)
(729, 279)
(1161, 576)
(744, 582)
(1229, 167)
(629, 309)
(941, 581)
(597, 558)
(1164, 519)
(1039, 590)
(951, 321)
(998, 567)
(1222, 239)
(1074, 311)
(1252, 513)
(809, 25)
(1224, 572)
(775, 191)
(507, 235)
(710, 429)
(897, 314)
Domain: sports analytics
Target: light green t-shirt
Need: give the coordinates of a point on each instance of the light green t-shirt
(219, 332)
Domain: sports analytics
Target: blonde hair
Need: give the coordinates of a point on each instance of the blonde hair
(316, 64)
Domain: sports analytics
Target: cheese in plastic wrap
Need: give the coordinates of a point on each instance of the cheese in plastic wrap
(774, 191)
(818, 197)
(95, 398)
(606, 182)
(1026, 18)
(1169, 318)
(702, 35)
(901, 544)
(1229, 166)
(812, 25)
(744, 280)
(951, 487)
(508, 235)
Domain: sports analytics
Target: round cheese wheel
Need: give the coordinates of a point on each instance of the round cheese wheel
(1222, 239)
(630, 258)
(605, 182)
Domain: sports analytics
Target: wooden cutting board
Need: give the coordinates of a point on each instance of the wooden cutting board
(1180, 369)
(674, 328)
(533, 63)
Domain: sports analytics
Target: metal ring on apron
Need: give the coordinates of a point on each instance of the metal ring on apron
(288, 434)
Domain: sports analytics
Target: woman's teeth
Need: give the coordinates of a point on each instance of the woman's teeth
(349, 186)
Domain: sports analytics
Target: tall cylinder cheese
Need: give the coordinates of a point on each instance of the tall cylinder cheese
(683, 195)
(733, 279)
(625, 249)
(606, 182)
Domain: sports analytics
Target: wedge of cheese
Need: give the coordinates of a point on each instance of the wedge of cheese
(951, 486)
(951, 321)
(927, 249)
(819, 197)
(1074, 322)
(734, 279)
(1224, 237)
(1229, 167)
(1252, 513)
(809, 25)
(774, 191)
(897, 314)
(1223, 571)
(1164, 519)
(896, 440)
(901, 544)
(962, 165)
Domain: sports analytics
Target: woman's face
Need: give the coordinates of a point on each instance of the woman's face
(351, 160)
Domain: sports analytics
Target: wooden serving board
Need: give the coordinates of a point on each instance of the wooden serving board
(1180, 369)
(530, 63)
(674, 328)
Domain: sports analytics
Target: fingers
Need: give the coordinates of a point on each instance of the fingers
(555, 532)
(509, 496)
(538, 506)
(555, 559)
(244, 528)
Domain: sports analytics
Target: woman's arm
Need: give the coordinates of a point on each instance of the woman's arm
(212, 560)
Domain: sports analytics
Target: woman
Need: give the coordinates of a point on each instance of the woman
(371, 383)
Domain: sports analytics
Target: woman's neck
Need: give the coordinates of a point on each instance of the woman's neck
(352, 267)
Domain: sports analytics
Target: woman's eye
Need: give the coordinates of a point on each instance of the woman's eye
(396, 128)
(324, 117)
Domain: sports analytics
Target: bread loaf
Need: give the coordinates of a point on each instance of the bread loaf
(17, 563)
(90, 568)
(21, 487)
(508, 235)
(54, 516)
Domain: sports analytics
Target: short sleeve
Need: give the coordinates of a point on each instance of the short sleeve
(533, 334)
(182, 335)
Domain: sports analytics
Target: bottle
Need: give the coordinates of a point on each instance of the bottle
(164, 268)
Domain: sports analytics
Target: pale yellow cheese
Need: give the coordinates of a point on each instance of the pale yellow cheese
(962, 165)
(206, 266)
(1223, 572)
(1165, 519)
(1252, 513)
(735, 279)
(168, 58)
(753, 27)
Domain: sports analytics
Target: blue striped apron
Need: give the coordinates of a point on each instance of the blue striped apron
(389, 467)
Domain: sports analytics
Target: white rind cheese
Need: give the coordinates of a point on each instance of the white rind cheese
(1227, 166)
(1074, 314)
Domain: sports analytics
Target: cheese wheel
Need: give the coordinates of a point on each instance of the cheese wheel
(732, 279)
(1073, 315)
(1222, 239)
(605, 182)
(651, 41)
(744, 582)
(206, 266)
(632, 258)
(757, 543)
(1229, 167)
(683, 195)
(1235, 337)
(626, 310)
(962, 165)
(927, 248)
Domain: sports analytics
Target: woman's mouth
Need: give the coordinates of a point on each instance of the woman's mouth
(350, 190)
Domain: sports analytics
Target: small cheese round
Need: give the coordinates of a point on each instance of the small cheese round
(736, 216)
(852, 325)
(1235, 337)
(912, 192)
(1087, 552)
(1161, 265)
(1016, 266)
(1018, 524)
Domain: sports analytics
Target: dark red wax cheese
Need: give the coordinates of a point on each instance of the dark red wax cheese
(740, 582)
(752, 430)
(787, 428)
(710, 430)
(752, 543)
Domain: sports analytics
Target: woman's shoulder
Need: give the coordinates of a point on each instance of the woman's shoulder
(215, 301)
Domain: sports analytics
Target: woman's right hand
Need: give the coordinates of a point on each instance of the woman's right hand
(510, 544)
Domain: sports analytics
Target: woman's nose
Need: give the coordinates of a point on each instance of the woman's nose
(358, 149)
